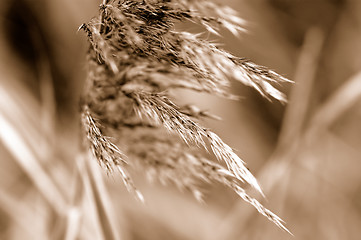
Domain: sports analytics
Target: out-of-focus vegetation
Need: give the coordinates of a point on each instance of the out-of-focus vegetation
(305, 154)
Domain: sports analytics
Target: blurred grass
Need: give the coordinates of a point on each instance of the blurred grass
(308, 163)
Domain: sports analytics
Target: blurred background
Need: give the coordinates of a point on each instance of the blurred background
(306, 154)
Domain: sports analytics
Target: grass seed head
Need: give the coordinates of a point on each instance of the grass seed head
(135, 56)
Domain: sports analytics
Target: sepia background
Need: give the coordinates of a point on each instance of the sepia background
(306, 154)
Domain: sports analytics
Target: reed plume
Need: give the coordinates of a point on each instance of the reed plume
(135, 57)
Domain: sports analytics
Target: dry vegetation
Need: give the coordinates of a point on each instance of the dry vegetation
(136, 119)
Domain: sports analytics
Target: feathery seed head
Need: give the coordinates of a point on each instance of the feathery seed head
(135, 56)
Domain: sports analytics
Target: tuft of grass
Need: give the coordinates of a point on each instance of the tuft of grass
(135, 57)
